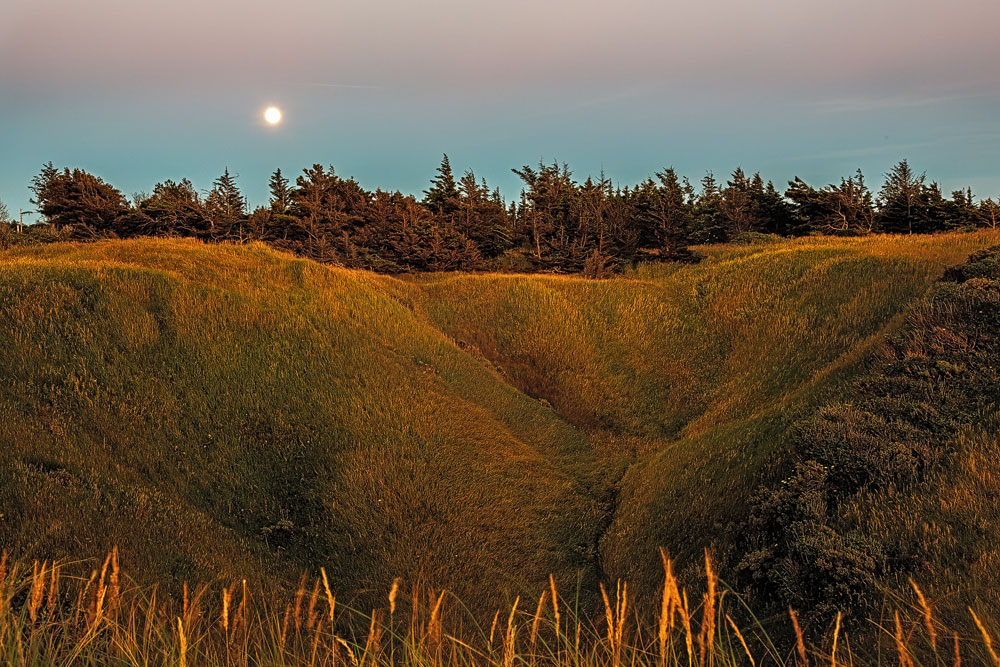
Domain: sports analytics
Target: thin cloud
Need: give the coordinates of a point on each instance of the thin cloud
(862, 104)
(318, 84)
(868, 151)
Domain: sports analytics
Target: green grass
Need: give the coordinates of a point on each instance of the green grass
(231, 411)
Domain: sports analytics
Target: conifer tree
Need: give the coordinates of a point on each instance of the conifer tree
(280, 192)
(41, 183)
(900, 200)
(442, 196)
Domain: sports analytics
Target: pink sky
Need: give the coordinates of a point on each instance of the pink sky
(382, 87)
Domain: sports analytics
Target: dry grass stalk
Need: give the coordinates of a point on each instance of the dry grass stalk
(243, 610)
(83, 605)
(686, 622)
(668, 606)
(312, 611)
(927, 615)
(987, 640)
(350, 653)
(557, 618)
(800, 644)
(493, 628)
(284, 625)
(537, 619)
(53, 598)
(317, 635)
(622, 607)
(901, 651)
(393, 594)
(836, 635)
(739, 635)
(706, 636)
(510, 637)
(3, 569)
(434, 631)
(37, 593)
(957, 662)
(183, 643)
(227, 594)
(101, 594)
(374, 640)
(114, 585)
(615, 618)
(300, 593)
(331, 601)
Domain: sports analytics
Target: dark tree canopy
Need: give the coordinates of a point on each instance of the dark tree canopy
(557, 223)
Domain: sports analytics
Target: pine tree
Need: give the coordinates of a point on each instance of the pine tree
(989, 213)
(280, 192)
(709, 224)
(225, 199)
(900, 200)
(42, 183)
(442, 196)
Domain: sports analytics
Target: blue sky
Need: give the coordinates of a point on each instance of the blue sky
(139, 92)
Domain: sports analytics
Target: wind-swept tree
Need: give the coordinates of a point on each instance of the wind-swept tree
(78, 200)
(546, 209)
(175, 208)
(481, 216)
(989, 213)
(847, 208)
(328, 210)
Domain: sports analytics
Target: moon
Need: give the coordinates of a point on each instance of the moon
(272, 115)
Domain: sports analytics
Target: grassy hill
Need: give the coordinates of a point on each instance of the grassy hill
(231, 410)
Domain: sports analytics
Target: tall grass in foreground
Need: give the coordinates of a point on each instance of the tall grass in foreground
(51, 616)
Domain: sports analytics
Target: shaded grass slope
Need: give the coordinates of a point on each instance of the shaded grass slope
(229, 409)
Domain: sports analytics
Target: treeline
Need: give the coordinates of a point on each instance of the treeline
(556, 224)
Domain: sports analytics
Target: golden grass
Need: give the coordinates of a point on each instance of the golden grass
(150, 629)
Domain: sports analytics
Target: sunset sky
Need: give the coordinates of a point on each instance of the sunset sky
(138, 92)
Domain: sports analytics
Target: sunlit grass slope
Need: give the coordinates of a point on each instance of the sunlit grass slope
(231, 409)
(689, 376)
(225, 409)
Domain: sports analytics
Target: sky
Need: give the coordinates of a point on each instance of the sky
(137, 91)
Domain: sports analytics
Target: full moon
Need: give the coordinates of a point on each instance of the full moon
(273, 115)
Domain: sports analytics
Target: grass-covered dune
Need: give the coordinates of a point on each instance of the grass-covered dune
(688, 378)
(232, 410)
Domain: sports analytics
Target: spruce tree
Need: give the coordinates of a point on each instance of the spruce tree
(280, 192)
(900, 200)
(442, 196)
(225, 202)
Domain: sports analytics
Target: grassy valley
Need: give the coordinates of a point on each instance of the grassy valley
(229, 410)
